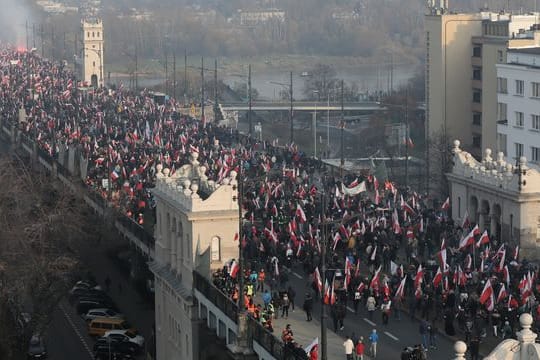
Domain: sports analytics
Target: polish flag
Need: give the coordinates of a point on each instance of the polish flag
(465, 224)
(418, 292)
(484, 239)
(469, 239)
(377, 199)
(442, 257)
(401, 288)
(501, 263)
(502, 294)
(337, 238)
(375, 280)
(490, 303)
(446, 205)
(300, 214)
(233, 271)
(516, 253)
(348, 268)
(407, 208)
(235, 236)
(327, 292)
(506, 276)
(421, 227)
(419, 276)
(395, 223)
(361, 287)
(374, 254)
(437, 278)
(468, 262)
(357, 271)
(276, 269)
(317, 279)
(487, 292)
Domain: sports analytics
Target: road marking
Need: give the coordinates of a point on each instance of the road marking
(297, 275)
(370, 322)
(350, 309)
(391, 336)
(83, 341)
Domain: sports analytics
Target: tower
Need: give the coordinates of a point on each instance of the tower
(92, 70)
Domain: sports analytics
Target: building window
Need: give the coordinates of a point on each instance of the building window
(519, 87)
(93, 34)
(535, 122)
(477, 140)
(215, 249)
(519, 119)
(502, 85)
(518, 150)
(477, 51)
(477, 96)
(535, 154)
(502, 111)
(94, 63)
(98, 34)
(535, 89)
(477, 118)
(500, 56)
(477, 73)
(88, 34)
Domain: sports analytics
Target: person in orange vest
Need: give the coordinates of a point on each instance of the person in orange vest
(246, 300)
(260, 284)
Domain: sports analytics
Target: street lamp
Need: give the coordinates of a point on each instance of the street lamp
(290, 87)
(315, 92)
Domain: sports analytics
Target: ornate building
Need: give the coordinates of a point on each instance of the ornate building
(499, 195)
(92, 71)
(196, 223)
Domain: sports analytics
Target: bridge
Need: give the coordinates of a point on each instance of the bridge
(301, 106)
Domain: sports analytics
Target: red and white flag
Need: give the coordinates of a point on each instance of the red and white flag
(446, 205)
(502, 294)
(419, 276)
(437, 278)
(516, 253)
(374, 253)
(317, 279)
(300, 214)
(337, 238)
(506, 276)
(375, 280)
(487, 292)
(465, 224)
(484, 239)
(233, 271)
(401, 288)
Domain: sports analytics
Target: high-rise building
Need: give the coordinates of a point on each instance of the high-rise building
(518, 87)
(92, 70)
(461, 80)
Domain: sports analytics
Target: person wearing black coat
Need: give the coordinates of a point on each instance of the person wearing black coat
(308, 306)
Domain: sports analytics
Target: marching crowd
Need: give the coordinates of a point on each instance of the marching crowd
(395, 250)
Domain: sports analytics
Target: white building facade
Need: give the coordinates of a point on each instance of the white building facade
(500, 195)
(92, 71)
(196, 222)
(518, 97)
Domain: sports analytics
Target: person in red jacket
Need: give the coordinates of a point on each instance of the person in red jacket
(359, 350)
(314, 353)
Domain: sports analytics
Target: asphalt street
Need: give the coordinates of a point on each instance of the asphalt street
(393, 338)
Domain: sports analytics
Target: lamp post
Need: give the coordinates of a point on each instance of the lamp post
(315, 124)
(291, 102)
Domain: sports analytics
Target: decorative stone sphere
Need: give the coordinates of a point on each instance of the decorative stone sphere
(159, 167)
(186, 184)
(500, 156)
(166, 171)
(194, 155)
(202, 169)
(523, 160)
(225, 181)
(273, 159)
(211, 183)
(525, 320)
(460, 347)
(487, 152)
(233, 174)
(194, 188)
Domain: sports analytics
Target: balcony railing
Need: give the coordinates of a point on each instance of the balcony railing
(266, 339)
(216, 296)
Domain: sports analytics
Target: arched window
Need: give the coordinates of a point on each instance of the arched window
(93, 34)
(88, 34)
(98, 34)
(215, 249)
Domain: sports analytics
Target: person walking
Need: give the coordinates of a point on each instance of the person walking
(308, 306)
(424, 333)
(433, 331)
(385, 310)
(373, 339)
(371, 305)
(285, 306)
(349, 348)
(360, 348)
(292, 294)
(357, 298)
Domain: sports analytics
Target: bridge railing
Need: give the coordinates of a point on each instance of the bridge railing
(216, 296)
(265, 338)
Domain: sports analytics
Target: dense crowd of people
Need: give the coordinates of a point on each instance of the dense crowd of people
(395, 250)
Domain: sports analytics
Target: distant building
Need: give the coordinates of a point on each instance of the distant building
(53, 7)
(92, 69)
(258, 17)
(518, 88)
(196, 223)
(499, 194)
(461, 81)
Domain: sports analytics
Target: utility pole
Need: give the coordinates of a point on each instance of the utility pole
(250, 121)
(136, 67)
(407, 137)
(174, 76)
(323, 272)
(216, 107)
(52, 41)
(291, 110)
(342, 163)
(185, 76)
(166, 72)
(42, 40)
(27, 39)
(202, 88)
(34, 35)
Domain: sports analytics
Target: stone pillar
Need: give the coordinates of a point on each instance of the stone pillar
(460, 348)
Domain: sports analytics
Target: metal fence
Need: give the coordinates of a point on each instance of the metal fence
(137, 230)
(266, 339)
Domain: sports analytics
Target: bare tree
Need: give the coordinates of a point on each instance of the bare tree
(40, 225)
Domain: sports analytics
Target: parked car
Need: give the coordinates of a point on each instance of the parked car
(102, 313)
(85, 305)
(126, 335)
(109, 352)
(78, 293)
(36, 348)
(124, 346)
(99, 326)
